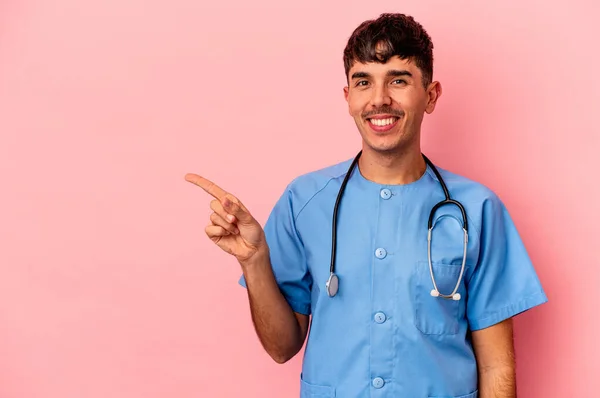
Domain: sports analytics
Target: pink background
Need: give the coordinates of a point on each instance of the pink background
(108, 285)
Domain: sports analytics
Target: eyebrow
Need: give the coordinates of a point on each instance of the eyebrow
(390, 73)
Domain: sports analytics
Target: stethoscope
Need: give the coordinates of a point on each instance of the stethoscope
(332, 284)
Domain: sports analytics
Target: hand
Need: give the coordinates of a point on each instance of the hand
(232, 227)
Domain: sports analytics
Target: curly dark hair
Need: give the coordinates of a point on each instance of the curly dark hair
(389, 35)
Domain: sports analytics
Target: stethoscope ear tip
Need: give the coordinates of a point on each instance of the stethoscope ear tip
(436, 293)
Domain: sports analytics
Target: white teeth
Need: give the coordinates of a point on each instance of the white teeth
(383, 122)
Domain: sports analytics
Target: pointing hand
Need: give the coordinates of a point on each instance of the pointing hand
(231, 227)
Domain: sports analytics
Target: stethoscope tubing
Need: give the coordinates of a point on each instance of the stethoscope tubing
(332, 284)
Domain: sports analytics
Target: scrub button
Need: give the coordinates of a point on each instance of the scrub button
(385, 193)
(380, 253)
(378, 382)
(380, 317)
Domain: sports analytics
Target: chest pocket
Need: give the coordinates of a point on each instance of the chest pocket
(309, 390)
(437, 315)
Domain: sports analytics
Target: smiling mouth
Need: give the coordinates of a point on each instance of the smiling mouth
(383, 122)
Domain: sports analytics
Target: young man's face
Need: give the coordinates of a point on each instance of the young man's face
(388, 101)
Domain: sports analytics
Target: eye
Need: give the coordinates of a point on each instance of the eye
(361, 83)
(399, 81)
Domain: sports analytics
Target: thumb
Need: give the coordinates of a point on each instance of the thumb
(233, 206)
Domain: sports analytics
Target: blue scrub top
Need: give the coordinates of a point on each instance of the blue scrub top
(383, 334)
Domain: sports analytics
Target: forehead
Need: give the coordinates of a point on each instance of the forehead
(378, 69)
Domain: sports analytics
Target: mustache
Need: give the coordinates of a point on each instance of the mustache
(384, 111)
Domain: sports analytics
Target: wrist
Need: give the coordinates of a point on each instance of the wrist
(261, 256)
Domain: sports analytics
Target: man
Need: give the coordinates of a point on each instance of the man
(399, 325)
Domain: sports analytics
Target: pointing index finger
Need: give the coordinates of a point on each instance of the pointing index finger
(210, 187)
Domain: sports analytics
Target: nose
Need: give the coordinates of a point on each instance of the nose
(380, 96)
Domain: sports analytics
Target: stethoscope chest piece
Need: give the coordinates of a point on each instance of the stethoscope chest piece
(332, 285)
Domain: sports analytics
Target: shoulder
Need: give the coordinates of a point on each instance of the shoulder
(306, 187)
(464, 187)
(480, 201)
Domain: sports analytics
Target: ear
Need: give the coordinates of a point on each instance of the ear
(346, 93)
(434, 92)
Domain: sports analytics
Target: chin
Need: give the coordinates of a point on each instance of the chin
(383, 148)
(391, 144)
(379, 143)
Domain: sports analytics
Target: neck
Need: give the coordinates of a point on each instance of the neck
(394, 168)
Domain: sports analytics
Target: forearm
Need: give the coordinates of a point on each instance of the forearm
(275, 323)
(495, 354)
(498, 382)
